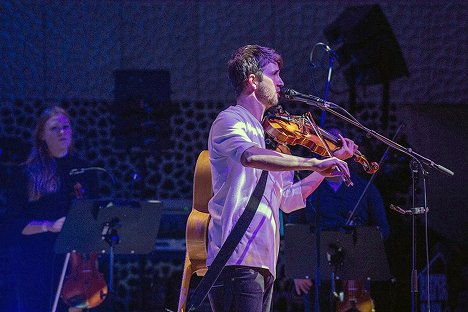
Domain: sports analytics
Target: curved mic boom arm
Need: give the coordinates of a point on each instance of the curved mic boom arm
(312, 100)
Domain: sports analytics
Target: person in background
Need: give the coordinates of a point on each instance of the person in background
(42, 194)
(237, 156)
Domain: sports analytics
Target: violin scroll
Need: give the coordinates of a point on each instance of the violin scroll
(369, 167)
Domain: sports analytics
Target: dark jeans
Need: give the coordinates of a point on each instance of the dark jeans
(240, 289)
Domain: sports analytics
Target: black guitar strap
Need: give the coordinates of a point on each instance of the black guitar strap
(229, 245)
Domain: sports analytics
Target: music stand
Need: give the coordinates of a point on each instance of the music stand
(137, 223)
(361, 255)
(113, 226)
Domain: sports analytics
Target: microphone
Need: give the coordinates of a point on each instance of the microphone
(331, 51)
(293, 95)
(76, 171)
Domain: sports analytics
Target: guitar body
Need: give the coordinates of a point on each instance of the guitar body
(356, 298)
(362, 304)
(196, 234)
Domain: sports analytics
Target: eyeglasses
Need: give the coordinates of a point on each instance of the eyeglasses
(57, 129)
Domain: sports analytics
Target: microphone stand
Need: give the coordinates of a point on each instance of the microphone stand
(331, 59)
(414, 272)
(416, 167)
(328, 106)
(78, 171)
(317, 284)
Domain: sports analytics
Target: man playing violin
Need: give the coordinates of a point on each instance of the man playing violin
(237, 157)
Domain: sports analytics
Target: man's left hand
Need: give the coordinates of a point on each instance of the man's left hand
(347, 149)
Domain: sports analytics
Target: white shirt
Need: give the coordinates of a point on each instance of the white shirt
(235, 130)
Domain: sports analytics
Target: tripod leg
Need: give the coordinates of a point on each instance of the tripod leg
(62, 277)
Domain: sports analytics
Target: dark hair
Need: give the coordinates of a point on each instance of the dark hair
(250, 59)
(41, 167)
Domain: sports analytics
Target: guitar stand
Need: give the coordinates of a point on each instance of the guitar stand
(108, 226)
(335, 258)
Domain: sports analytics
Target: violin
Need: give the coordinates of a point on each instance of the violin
(286, 129)
(85, 287)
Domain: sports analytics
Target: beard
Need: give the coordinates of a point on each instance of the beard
(266, 96)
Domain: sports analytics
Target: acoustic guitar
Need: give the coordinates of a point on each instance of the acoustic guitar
(356, 298)
(196, 234)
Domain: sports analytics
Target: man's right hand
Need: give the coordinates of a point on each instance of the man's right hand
(332, 167)
(302, 286)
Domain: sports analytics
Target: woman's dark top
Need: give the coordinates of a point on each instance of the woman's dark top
(50, 206)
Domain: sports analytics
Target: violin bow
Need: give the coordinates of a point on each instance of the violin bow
(311, 120)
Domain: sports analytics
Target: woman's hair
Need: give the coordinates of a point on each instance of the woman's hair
(41, 167)
(250, 59)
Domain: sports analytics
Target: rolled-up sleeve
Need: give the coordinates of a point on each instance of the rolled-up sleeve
(229, 137)
(291, 198)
